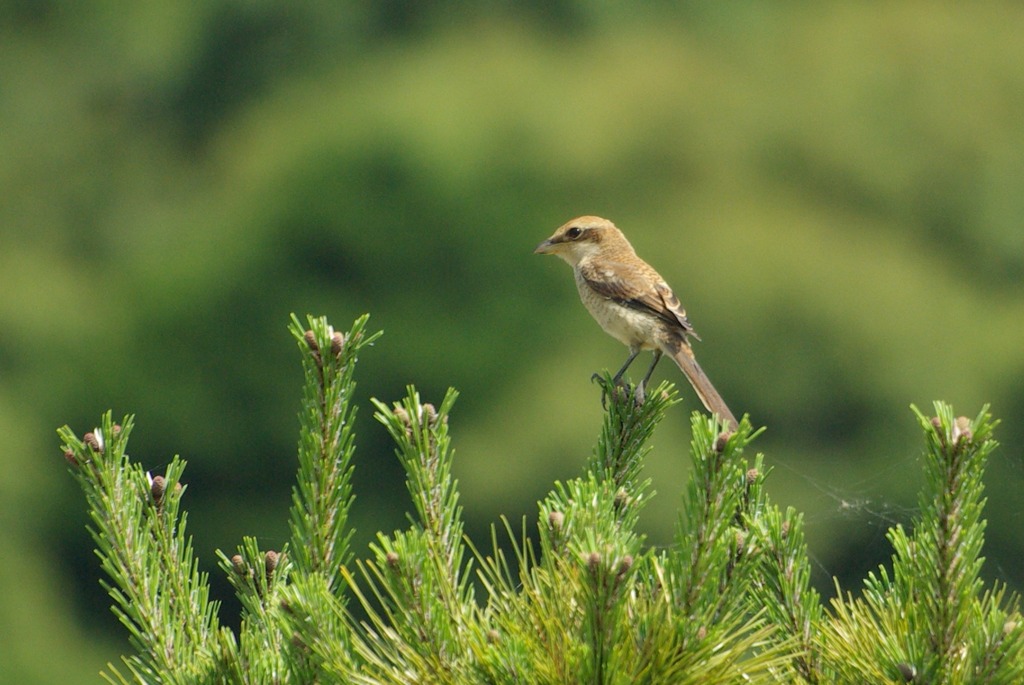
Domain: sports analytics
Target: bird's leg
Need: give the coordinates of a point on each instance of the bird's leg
(633, 352)
(617, 379)
(640, 395)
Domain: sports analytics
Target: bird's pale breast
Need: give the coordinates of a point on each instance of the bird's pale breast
(631, 327)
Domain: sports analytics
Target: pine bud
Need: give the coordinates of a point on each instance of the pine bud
(556, 520)
(430, 413)
(310, 337)
(314, 347)
(621, 498)
(937, 425)
(493, 636)
(270, 561)
(625, 564)
(721, 441)
(392, 559)
(594, 562)
(962, 430)
(752, 475)
(907, 671)
(402, 415)
(238, 563)
(93, 442)
(337, 343)
(70, 458)
(156, 488)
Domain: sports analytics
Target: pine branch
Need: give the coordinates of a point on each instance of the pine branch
(929, 621)
(323, 496)
(950, 534)
(625, 431)
(599, 608)
(259, 578)
(159, 594)
(783, 587)
(711, 531)
(729, 602)
(420, 601)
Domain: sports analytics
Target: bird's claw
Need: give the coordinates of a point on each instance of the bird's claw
(599, 379)
(618, 386)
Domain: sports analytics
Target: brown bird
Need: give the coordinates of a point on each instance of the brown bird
(632, 302)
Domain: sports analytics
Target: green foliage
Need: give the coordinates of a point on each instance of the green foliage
(587, 602)
(321, 499)
(154, 580)
(931, 620)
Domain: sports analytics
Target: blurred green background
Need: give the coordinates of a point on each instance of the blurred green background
(835, 190)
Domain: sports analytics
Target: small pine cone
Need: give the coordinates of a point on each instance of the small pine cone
(93, 442)
(430, 413)
(556, 520)
(337, 343)
(314, 348)
(402, 415)
(270, 561)
(907, 672)
(962, 430)
(157, 488)
(70, 458)
(721, 441)
(239, 565)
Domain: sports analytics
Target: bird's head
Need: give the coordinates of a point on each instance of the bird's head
(583, 237)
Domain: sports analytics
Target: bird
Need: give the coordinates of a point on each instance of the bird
(632, 303)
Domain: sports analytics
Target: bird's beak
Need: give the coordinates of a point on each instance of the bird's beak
(547, 247)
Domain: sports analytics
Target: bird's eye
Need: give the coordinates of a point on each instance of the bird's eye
(573, 233)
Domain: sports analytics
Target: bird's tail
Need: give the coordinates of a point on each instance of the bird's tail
(682, 354)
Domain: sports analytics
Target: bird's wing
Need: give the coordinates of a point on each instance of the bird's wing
(638, 289)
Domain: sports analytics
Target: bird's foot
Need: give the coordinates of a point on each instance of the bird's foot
(618, 386)
(605, 389)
